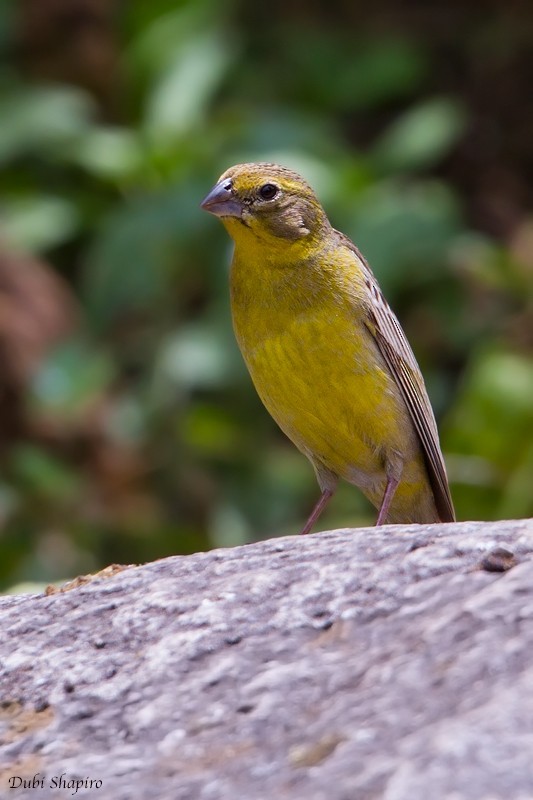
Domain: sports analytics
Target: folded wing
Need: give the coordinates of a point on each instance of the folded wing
(400, 359)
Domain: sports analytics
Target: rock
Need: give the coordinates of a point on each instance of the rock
(391, 664)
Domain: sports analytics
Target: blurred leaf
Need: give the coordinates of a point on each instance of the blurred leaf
(421, 136)
(228, 527)
(39, 222)
(502, 380)
(9, 502)
(41, 119)
(27, 587)
(405, 230)
(8, 18)
(490, 265)
(517, 500)
(340, 72)
(165, 27)
(126, 420)
(136, 251)
(209, 429)
(42, 474)
(108, 153)
(69, 380)
(179, 99)
(493, 421)
(381, 70)
(194, 357)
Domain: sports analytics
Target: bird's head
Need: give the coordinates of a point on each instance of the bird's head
(266, 202)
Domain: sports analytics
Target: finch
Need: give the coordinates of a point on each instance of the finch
(325, 352)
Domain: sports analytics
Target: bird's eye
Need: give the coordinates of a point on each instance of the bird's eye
(268, 191)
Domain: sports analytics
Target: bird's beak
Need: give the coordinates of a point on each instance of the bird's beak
(221, 202)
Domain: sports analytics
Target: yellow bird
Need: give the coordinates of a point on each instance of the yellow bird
(327, 355)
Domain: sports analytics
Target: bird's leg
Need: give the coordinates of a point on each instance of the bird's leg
(323, 500)
(392, 485)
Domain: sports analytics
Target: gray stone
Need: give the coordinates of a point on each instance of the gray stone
(392, 664)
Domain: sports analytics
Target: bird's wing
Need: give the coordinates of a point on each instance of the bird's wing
(400, 359)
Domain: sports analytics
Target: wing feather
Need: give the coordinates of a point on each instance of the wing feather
(400, 359)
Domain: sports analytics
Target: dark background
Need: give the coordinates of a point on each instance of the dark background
(128, 425)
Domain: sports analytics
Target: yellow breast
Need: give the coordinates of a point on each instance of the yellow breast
(315, 365)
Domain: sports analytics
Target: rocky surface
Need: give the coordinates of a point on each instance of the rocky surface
(391, 664)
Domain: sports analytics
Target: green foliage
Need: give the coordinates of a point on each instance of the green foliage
(489, 430)
(142, 434)
(421, 136)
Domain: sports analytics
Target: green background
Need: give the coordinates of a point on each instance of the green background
(129, 428)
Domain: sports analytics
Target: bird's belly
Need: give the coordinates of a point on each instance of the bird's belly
(331, 395)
